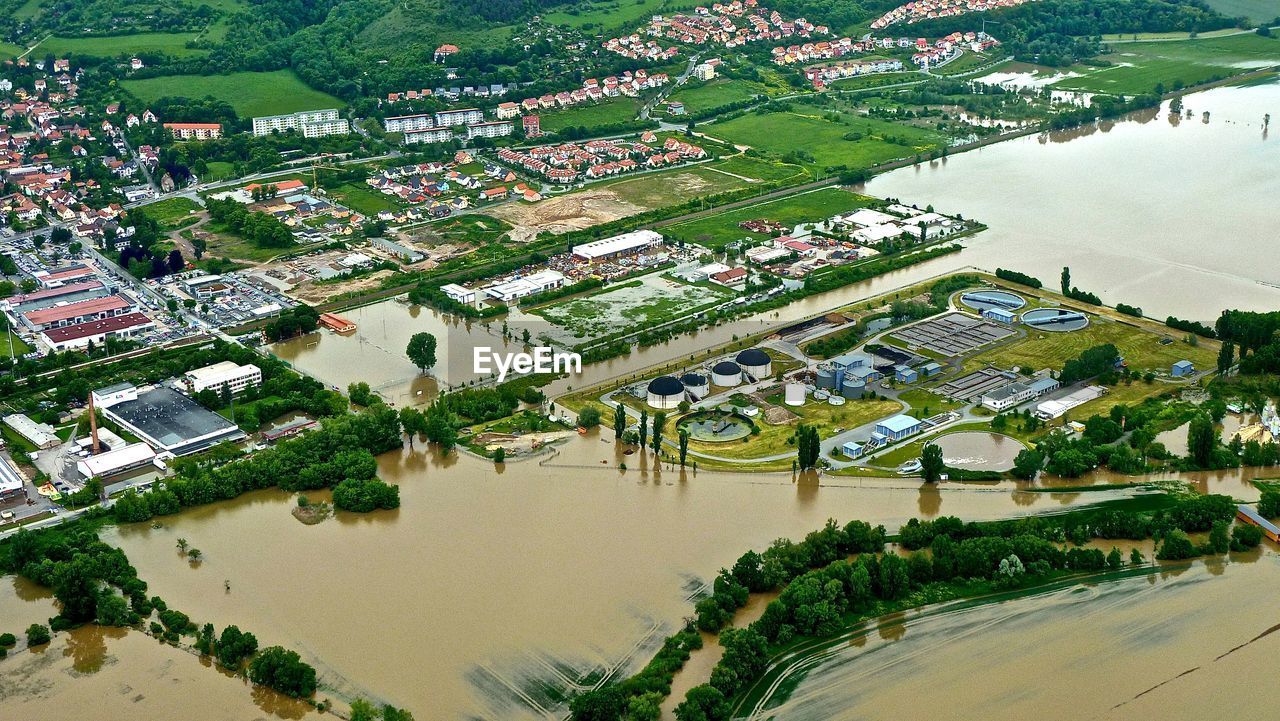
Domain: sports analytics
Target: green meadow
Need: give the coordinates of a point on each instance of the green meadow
(251, 94)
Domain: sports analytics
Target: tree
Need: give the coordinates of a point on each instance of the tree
(684, 445)
(931, 463)
(499, 455)
(659, 421)
(1135, 558)
(703, 703)
(1027, 464)
(1226, 356)
(589, 417)
(606, 703)
(422, 351)
(1066, 281)
(645, 707)
(1269, 504)
(175, 261)
(284, 671)
(1176, 546)
(619, 421)
(37, 634)
(234, 646)
(1114, 559)
(1201, 440)
(644, 428)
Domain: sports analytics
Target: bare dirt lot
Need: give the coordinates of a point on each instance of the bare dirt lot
(564, 213)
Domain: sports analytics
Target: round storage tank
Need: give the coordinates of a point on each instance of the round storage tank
(695, 383)
(726, 374)
(836, 400)
(665, 392)
(794, 394)
(826, 377)
(853, 389)
(755, 363)
(821, 395)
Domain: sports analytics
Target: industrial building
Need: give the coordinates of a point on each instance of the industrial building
(852, 449)
(403, 252)
(664, 392)
(1007, 396)
(68, 293)
(227, 373)
(627, 243)
(1056, 408)
(1000, 315)
(895, 428)
(12, 483)
(696, 384)
(515, 288)
(82, 334)
(1182, 369)
(459, 293)
(166, 419)
(1248, 514)
(82, 311)
(905, 374)
(40, 435)
(116, 461)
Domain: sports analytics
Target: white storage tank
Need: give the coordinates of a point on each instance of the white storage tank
(793, 395)
(665, 392)
(755, 363)
(726, 374)
(695, 383)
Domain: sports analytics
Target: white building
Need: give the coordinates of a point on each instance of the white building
(459, 293)
(633, 242)
(873, 234)
(237, 377)
(1056, 408)
(495, 129)
(403, 123)
(115, 462)
(40, 435)
(1007, 397)
(461, 116)
(704, 71)
(515, 288)
(428, 135)
(311, 123)
(865, 217)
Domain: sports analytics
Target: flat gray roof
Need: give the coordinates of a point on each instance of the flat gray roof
(173, 420)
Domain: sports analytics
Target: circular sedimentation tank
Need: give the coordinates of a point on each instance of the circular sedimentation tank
(981, 300)
(1055, 320)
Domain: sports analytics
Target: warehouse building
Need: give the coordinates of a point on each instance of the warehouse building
(1056, 408)
(516, 288)
(82, 311)
(625, 244)
(114, 462)
(166, 419)
(897, 427)
(40, 435)
(82, 334)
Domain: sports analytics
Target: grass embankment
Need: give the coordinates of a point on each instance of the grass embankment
(251, 94)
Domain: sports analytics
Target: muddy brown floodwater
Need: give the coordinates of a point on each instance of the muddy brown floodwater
(977, 451)
(1188, 642)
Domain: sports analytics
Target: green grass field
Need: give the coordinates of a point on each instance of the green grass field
(251, 94)
(616, 110)
(1139, 67)
(715, 231)
(878, 80)
(845, 141)
(1141, 349)
(171, 213)
(699, 96)
(171, 43)
(967, 62)
(28, 10)
(760, 169)
(593, 15)
(363, 199)
(9, 50)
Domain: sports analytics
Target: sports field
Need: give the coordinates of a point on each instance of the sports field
(251, 94)
(716, 230)
(1139, 67)
(821, 140)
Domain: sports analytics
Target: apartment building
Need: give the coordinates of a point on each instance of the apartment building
(311, 123)
(236, 377)
(495, 129)
(194, 131)
(406, 123)
(462, 116)
(428, 135)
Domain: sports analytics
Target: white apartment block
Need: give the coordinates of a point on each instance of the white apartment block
(462, 116)
(495, 129)
(237, 377)
(428, 135)
(405, 123)
(298, 121)
(326, 128)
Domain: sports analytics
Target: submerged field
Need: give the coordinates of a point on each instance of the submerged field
(1139, 67)
(640, 303)
(251, 94)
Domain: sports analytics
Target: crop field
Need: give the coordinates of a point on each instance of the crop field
(171, 43)
(1140, 348)
(1139, 67)
(251, 94)
(616, 110)
(827, 140)
(699, 96)
(643, 302)
(715, 231)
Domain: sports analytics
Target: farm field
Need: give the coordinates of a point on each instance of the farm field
(224, 245)
(643, 302)
(251, 94)
(1140, 348)
(716, 230)
(617, 110)
(698, 96)
(827, 140)
(170, 43)
(1139, 67)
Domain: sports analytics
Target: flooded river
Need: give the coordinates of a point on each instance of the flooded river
(975, 451)
(1189, 642)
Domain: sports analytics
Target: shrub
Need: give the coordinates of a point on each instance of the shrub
(38, 635)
